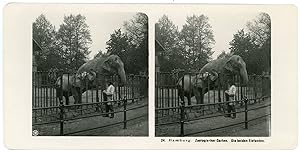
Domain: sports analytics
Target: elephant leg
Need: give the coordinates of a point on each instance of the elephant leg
(181, 95)
(199, 96)
(189, 96)
(67, 99)
(76, 95)
(58, 94)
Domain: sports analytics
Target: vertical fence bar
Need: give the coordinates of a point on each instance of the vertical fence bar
(51, 89)
(36, 95)
(86, 90)
(208, 88)
(98, 107)
(241, 92)
(255, 89)
(162, 94)
(182, 106)
(33, 100)
(125, 109)
(39, 90)
(132, 87)
(168, 95)
(220, 107)
(46, 91)
(219, 89)
(173, 99)
(61, 107)
(262, 86)
(33, 90)
(156, 95)
(246, 113)
(119, 92)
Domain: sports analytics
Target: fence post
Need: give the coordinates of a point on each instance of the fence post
(132, 87)
(125, 109)
(182, 119)
(246, 113)
(219, 91)
(61, 108)
(254, 87)
(61, 117)
(262, 88)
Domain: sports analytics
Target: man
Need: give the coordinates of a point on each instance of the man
(230, 96)
(108, 96)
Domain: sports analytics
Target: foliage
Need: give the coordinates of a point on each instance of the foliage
(65, 49)
(132, 44)
(100, 54)
(74, 38)
(43, 32)
(188, 49)
(197, 38)
(167, 34)
(223, 54)
(254, 46)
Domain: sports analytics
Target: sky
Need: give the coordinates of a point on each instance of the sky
(100, 25)
(224, 25)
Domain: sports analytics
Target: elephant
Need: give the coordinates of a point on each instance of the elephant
(219, 70)
(66, 88)
(225, 69)
(191, 83)
(103, 66)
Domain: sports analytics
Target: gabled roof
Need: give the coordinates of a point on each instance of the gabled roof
(35, 45)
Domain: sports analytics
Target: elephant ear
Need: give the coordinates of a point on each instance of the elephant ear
(91, 75)
(76, 80)
(229, 65)
(107, 64)
(213, 76)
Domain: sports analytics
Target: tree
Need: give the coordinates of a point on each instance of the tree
(260, 29)
(167, 34)
(137, 28)
(244, 46)
(43, 32)
(118, 44)
(132, 46)
(100, 54)
(255, 45)
(197, 41)
(223, 54)
(74, 38)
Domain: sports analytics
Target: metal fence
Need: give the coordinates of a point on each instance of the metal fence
(44, 89)
(170, 110)
(47, 109)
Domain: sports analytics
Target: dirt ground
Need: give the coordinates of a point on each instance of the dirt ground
(259, 127)
(136, 127)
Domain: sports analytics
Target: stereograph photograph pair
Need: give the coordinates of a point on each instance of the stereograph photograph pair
(149, 76)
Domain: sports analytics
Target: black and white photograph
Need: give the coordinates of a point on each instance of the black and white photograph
(181, 76)
(90, 74)
(213, 74)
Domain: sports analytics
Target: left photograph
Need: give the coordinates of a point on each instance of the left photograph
(90, 74)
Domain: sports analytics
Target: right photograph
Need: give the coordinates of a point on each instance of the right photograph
(213, 74)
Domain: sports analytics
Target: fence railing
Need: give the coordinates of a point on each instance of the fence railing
(168, 84)
(63, 110)
(45, 88)
(183, 112)
(52, 101)
(170, 106)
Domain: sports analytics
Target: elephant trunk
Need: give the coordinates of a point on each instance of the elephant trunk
(122, 75)
(244, 76)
